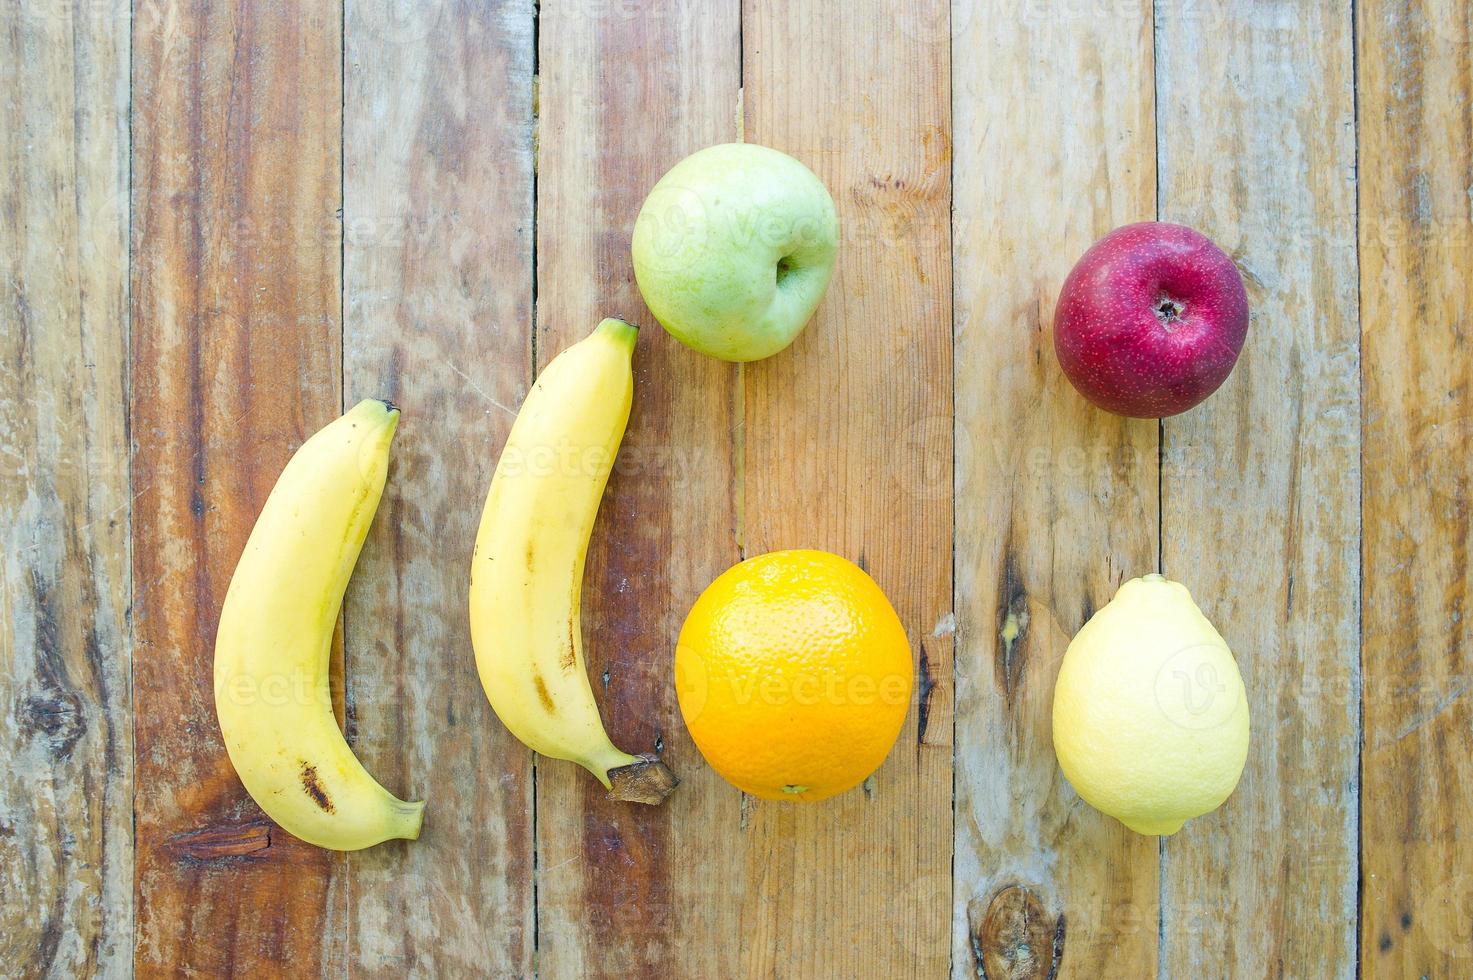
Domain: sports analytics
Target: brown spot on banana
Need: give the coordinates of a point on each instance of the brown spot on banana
(569, 658)
(543, 694)
(314, 789)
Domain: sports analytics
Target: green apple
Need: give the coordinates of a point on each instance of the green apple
(734, 248)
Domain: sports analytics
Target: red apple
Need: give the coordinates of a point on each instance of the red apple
(1151, 320)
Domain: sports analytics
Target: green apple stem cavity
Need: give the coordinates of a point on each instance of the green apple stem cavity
(734, 248)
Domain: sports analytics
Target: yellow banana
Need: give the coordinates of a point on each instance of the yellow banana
(275, 637)
(527, 569)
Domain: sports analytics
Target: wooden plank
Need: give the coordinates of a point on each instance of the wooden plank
(236, 359)
(848, 448)
(625, 890)
(1260, 486)
(1416, 241)
(438, 317)
(1056, 500)
(66, 789)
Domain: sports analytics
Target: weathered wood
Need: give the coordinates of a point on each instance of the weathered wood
(235, 360)
(437, 216)
(624, 890)
(66, 783)
(1056, 500)
(1260, 512)
(1416, 240)
(844, 442)
(848, 448)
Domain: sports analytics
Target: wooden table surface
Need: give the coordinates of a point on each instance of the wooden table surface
(220, 224)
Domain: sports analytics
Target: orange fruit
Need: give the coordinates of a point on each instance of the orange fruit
(793, 675)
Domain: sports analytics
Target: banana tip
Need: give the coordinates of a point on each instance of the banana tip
(414, 818)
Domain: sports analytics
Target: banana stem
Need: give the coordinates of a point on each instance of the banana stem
(412, 817)
(647, 781)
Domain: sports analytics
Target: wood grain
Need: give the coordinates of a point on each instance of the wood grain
(627, 90)
(1056, 500)
(1260, 491)
(235, 359)
(1318, 502)
(66, 788)
(848, 448)
(437, 211)
(1416, 247)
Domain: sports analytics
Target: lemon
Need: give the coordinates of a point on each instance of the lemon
(1150, 715)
